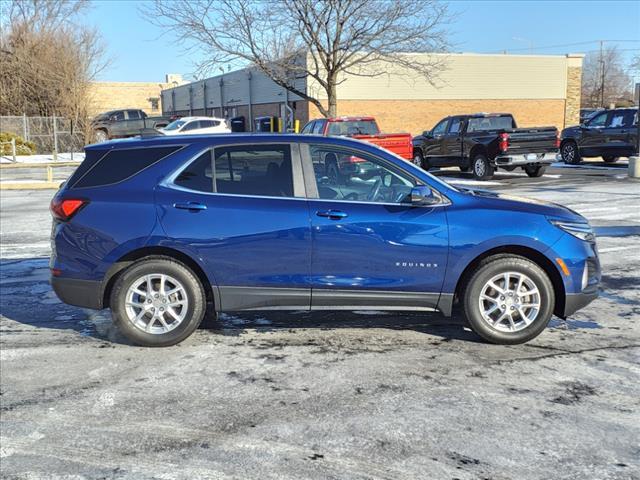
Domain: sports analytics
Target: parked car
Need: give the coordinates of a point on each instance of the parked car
(362, 128)
(483, 142)
(609, 134)
(196, 126)
(159, 228)
(124, 123)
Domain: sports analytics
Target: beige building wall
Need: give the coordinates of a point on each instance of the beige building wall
(539, 90)
(105, 96)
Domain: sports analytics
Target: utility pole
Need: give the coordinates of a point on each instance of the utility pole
(602, 74)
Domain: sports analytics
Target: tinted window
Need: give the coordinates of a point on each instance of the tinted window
(456, 125)
(345, 175)
(490, 123)
(91, 157)
(118, 165)
(599, 120)
(209, 123)
(133, 114)
(440, 128)
(118, 116)
(198, 175)
(263, 170)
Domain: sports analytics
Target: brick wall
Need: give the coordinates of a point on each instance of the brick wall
(415, 116)
(574, 87)
(105, 96)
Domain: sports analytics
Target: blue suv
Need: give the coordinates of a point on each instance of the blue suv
(159, 228)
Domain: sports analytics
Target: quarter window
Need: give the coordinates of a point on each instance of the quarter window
(355, 176)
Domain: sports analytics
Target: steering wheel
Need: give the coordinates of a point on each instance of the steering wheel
(375, 190)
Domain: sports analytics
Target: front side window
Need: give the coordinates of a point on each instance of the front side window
(308, 128)
(440, 128)
(118, 116)
(319, 127)
(343, 174)
(599, 120)
(175, 125)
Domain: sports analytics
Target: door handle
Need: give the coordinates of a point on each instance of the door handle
(191, 206)
(332, 214)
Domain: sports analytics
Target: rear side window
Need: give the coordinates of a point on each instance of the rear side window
(260, 170)
(116, 165)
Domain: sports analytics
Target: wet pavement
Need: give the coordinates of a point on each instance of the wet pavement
(354, 395)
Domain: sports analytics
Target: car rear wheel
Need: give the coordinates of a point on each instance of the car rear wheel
(535, 170)
(482, 168)
(570, 153)
(157, 302)
(610, 159)
(508, 300)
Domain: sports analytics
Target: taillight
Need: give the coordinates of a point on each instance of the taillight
(557, 140)
(503, 144)
(64, 209)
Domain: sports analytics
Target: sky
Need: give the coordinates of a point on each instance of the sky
(140, 51)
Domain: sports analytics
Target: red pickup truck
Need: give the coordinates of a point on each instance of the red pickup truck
(362, 128)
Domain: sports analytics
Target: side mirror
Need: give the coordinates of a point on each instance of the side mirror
(423, 195)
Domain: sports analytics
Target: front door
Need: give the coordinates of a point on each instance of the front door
(452, 143)
(371, 248)
(594, 136)
(240, 211)
(432, 150)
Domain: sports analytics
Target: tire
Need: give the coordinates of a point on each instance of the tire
(101, 136)
(140, 324)
(500, 329)
(570, 153)
(481, 167)
(418, 159)
(610, 159)
(535, 170)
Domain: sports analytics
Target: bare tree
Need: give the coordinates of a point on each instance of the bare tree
(323, 40)
(605, 79)
(47, 60)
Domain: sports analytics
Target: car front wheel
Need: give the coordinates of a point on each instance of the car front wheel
(508, 300)
(418, 160)
(610, 159)
(157, 302)
(570, 153)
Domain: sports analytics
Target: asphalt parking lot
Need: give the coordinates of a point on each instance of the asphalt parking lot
(343, 396)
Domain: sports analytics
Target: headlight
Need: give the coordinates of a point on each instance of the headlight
(582, 231)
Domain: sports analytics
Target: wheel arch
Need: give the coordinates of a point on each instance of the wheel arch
(526, 252)
(476, 150)
(157, 252)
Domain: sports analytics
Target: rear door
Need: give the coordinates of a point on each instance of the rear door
(242, 210)
(135, 121)
(372, 249)
(619, 133)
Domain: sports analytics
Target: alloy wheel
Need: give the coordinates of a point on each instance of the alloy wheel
(479, 167)
(156, 303)
(510, 302)
(568, 153)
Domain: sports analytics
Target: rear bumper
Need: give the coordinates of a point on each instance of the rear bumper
(81, 293)
(516, 160)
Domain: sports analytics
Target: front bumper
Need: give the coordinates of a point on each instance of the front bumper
(575, 301)
(81, 293)
(525, 159)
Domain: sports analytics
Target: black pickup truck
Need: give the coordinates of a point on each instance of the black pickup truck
(125, 123)
(483, 142)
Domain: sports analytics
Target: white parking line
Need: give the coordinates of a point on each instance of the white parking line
(617, 249)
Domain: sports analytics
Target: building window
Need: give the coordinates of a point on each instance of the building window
(155, 103)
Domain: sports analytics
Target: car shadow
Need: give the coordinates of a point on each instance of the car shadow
(28, 300)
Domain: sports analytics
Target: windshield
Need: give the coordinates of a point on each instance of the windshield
(175, 125)
(353, 127)
(489, 123)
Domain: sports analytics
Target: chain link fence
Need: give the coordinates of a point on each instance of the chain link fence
(51, 135)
